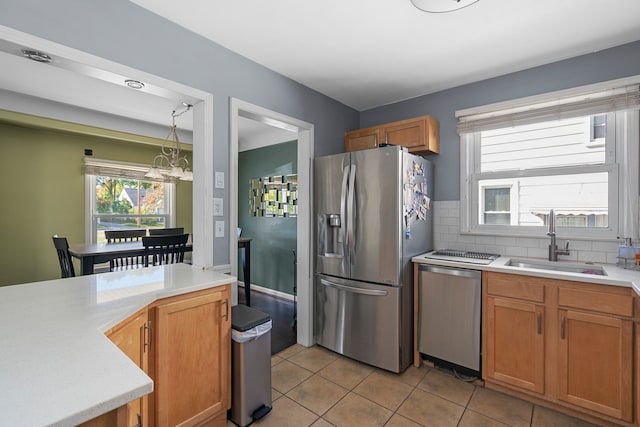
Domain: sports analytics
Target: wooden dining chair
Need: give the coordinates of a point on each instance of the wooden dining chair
(166, 231)
(120, 236)
(66, 264)
(165, 249)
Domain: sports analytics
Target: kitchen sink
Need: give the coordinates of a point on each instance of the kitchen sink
(568, 268)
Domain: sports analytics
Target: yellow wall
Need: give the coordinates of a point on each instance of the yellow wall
(42, 192)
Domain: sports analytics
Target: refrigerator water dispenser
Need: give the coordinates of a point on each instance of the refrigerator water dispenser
(329, 240)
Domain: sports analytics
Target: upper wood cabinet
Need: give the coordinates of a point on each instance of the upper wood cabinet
(421, 135)
(361, 139)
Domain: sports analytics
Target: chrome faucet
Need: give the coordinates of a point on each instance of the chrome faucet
(553, 248)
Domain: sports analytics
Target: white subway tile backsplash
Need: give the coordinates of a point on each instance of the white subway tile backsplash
(447, 235)
(527, 242)
(592, 257)
(605, 246)
(506, 241)
(450, 221)
(576, 245)
(486, 240)
(515, 251)
(537, 253)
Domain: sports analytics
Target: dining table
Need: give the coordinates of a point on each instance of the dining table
(244, 243)
(91, 254)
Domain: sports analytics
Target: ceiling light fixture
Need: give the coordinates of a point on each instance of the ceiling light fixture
(134, 84)
(34, 55)
(442, 6)
(169, 162)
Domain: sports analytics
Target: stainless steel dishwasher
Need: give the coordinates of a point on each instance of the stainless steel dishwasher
(449, 315)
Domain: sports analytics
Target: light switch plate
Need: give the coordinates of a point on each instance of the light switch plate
(217, 206)
(219, 228)
(219, 179)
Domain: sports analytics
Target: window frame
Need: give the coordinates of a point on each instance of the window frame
(514, 203)
(91, 225)
(621, 165)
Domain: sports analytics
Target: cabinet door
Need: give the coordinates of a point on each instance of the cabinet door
(362, 139)
(131, 337)
(515, 343)
(595, 363)
(192, 359)
(419, 135)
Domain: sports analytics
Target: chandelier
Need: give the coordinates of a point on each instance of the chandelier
(170, 162)
(442, 6)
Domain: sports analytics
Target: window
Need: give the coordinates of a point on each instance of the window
(119, 197)
(598, 127)
(519, 163)
(496, 205)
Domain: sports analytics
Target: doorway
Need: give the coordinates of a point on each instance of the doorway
(303, 132)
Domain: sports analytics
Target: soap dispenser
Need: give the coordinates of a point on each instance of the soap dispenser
(627, 254)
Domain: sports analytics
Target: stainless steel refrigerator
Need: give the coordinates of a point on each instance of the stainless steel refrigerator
(372, 214)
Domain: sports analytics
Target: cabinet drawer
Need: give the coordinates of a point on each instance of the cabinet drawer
(603, 302)
(515, 286)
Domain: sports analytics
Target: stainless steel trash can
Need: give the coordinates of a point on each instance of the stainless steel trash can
(250, 365)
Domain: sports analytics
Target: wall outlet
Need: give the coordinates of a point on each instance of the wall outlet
(219, 228)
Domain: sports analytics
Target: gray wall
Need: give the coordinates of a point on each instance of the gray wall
(609, 64)
(125, 33)
(274, 239)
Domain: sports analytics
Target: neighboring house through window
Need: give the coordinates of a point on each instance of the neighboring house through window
(119, 197)
(565, 152)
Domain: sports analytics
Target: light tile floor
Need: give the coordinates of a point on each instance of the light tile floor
(316, 387)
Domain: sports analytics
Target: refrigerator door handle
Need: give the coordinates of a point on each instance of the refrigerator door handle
(373, 292)
(343, 217)
(351, 208)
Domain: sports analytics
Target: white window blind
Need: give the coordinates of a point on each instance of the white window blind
(115, 169)
(612, 96)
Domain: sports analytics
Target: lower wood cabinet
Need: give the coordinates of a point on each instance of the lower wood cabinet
(116, 418)
(132, 337)
(637, 375)
(564, 342)
(595, 363)
(191, 359)
(184, 344)
(515, 343)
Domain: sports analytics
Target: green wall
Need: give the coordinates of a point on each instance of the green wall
(42, 190)
(274, 239)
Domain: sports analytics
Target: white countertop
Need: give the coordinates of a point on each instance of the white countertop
(616, 276)
(56, 366)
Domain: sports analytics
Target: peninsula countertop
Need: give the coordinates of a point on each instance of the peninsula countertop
(615, 276)
(56, 365)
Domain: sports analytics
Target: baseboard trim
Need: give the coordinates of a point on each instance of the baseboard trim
(268, 291)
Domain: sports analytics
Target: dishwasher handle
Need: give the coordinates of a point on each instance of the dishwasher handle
(353, 290)
(472, 274)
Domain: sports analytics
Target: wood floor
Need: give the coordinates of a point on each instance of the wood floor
(283, 332)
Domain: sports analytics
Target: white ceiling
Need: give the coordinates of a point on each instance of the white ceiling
(367, 53)
(362, 53)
